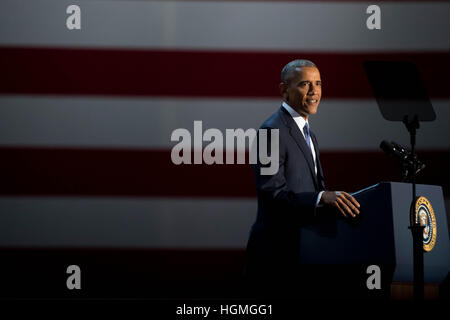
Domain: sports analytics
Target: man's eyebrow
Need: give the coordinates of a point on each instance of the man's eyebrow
(308, 81)
(301, 81)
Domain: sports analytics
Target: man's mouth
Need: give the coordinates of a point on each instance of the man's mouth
(311, 100)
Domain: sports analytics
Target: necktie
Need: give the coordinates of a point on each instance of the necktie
(307, 135)
(308, 142)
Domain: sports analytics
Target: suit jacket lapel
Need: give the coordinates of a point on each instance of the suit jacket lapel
(301, 143)
(320, 176)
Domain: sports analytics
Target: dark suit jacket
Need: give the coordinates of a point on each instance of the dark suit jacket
(286, 202)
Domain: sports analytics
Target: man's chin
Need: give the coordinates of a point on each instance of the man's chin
(312, 110)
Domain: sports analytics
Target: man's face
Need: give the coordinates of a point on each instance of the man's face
(303, 90)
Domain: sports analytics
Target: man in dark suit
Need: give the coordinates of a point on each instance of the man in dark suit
(295, 195)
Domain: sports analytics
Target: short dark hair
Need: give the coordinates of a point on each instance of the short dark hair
(291, 66)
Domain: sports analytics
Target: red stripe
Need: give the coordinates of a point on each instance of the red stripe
(150, 173)
(194, 73)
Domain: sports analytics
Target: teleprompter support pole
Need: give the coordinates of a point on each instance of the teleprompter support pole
(415, 227)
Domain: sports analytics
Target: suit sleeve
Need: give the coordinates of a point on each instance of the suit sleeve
(274, 194)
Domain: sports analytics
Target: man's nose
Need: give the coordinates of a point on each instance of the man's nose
(312, 90)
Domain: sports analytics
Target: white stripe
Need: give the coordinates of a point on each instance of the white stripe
(223, 25)
(149, 122)
(125, 222)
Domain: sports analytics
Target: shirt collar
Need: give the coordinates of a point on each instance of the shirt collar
(295, 115)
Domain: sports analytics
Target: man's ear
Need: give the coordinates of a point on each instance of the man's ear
(283, 90)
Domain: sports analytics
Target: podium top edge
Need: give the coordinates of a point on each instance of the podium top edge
(389, 183)
(365, 189)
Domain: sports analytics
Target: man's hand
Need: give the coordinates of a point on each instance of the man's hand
(344, 202)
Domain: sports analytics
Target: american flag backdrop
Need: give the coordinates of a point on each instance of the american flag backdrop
(86, 118)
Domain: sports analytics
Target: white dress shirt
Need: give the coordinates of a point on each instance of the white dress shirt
(300, 121)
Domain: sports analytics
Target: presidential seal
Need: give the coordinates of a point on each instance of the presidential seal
(424, 215)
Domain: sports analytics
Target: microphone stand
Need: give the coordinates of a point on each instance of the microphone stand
(415, 227)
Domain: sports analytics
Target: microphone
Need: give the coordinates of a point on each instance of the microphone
(395, 149)
(403, 154)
